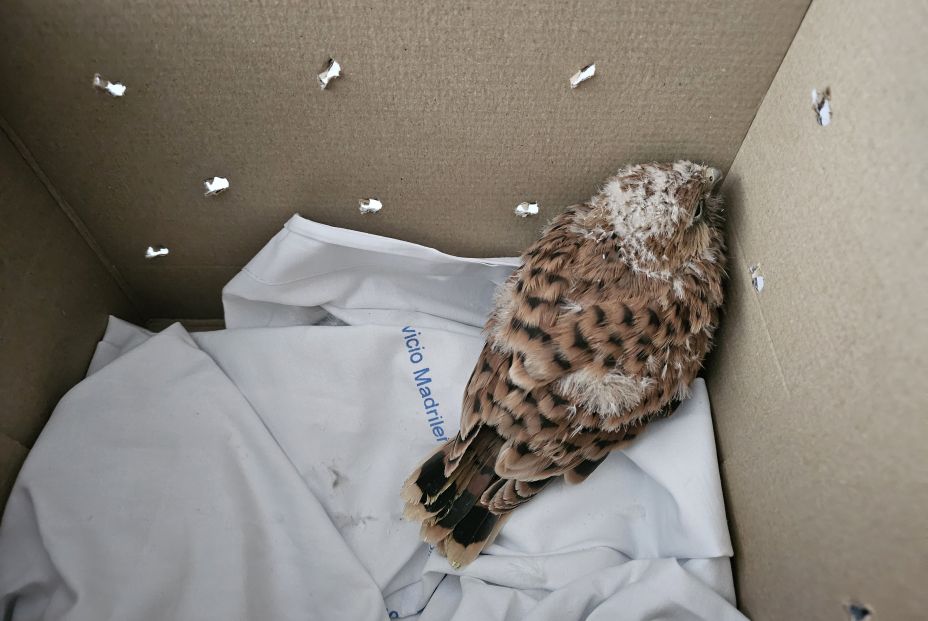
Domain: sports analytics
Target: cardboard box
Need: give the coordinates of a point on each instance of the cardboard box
(452, 114)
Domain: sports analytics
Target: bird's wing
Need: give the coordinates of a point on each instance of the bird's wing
(533, 432)
(570, 371)
(564, 328)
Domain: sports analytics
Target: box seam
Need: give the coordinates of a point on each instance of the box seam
(769, 84)
(70, 214)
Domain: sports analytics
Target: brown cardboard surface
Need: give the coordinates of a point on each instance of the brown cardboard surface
(12, 456)
(818, 384)
(450, 112)
(55, 296)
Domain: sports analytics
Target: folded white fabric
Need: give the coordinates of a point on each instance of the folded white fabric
(254, 472)
(309, 271)
(156, 493)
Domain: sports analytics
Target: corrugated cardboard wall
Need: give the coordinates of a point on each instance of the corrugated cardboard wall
(55, 295)
(818, 388)
(450, 112)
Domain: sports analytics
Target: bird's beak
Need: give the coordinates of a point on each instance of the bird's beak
(715, 178)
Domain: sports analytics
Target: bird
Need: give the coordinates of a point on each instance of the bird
(600, 330)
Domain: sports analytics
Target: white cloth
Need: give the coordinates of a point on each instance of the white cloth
(309, 270)
(254, 472)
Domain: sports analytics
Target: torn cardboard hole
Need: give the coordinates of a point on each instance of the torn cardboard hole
(757, 279)
(526, 209)
(583, 75)
(215, 186)
(154, 252)
(821, 103)
(114, 89)
(332, 70)
(369, 205)
(858, 612)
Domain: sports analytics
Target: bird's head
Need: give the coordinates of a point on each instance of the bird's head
(666, 217)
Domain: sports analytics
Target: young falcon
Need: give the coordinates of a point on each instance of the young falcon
(602, 329)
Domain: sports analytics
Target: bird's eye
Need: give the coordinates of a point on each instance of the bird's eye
(697, 214)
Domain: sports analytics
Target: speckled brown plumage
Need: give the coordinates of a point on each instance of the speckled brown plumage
(602, 328)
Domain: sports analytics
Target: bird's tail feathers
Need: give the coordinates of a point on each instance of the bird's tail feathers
(451, 494)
